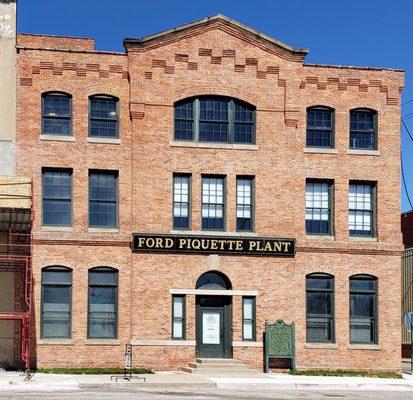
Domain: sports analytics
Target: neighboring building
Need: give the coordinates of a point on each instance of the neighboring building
(15, 211)
(407, 279)
(216, 135)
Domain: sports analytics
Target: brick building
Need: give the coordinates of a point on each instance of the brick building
(254, 182)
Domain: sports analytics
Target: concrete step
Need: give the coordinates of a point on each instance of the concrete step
(216, 361)
(220, 371)
(217, 366)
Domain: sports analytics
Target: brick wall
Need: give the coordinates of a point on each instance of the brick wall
(148, 80)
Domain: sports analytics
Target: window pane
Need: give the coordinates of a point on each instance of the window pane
(178, 307)
(319, 329)
(181, 201)
(56, 114)
(248, 330)
(360, 217)
(178, 329)
(55, 325)
(56, 276)
(248, 312)
(362, 331)
(103, 117)
(213, 203)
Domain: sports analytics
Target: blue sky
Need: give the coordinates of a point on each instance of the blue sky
(351, 32)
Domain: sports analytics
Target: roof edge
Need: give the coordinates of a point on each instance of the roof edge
(353, 67)
(205, 21)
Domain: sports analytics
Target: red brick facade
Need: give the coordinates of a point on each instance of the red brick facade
(215, 57)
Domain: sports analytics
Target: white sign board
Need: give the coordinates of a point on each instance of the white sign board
(210, 328)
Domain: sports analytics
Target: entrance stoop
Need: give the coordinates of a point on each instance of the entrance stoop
(219, 366)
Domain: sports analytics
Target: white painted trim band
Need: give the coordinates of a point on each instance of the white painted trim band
(141, 342)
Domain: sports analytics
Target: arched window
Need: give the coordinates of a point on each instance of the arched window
(214, 119)
(213, 280)
(363, 309)
(320, 127)
(103, 303)
(103, 116)
(363, 129)
(56, 113)
(56, 302)
(320, 308)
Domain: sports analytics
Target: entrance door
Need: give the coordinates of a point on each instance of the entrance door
(213, 327)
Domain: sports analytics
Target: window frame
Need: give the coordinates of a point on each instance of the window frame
(70, 171)
(330, 183)
(189, 176)
(102, 96)
(108, 172)
(332, 117)
(183, 319)
(231, 101)
(373, 211)
(57, 93)
(224, 201)
(56, 268)
(254, 318)
(375, 317)
(321, 275)
(252, 179)
(375, 128)
(116, 300)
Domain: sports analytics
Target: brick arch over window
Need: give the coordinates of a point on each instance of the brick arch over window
(213, 118)
(56, 113)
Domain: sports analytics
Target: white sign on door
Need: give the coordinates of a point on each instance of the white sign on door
(210, 328)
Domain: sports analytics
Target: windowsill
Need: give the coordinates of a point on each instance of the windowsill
(212, 233)
(364, 347)
(155, 342)
(55, 342)
(319, 150)
(102, 342)
(327, 346)
(362, 152)
(320, 237)
(246, 343)
(103, 230)
(103, 140)
(47, 228)
(58, 138)
(362, 239)
(209, 145)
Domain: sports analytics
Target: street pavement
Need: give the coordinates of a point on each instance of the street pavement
(206, 394)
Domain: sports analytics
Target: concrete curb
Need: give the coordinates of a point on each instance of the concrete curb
(141, 385)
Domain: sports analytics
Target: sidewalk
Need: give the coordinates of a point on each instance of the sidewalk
(11, 381)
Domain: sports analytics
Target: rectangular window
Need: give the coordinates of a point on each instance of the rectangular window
(320, 308)
(181, 204)
(178, 317)
(243, 124)
(245, 197)
(213, 120)
(184, 121)
(248, 318)
(363, 309)
(318, 210)
(57, 197)
(56, 303)
(103, 199)
(103, 303)
(213, 206)
(361, 209)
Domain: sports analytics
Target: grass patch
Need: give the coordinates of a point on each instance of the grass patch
(92, 371)
(368, 374)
